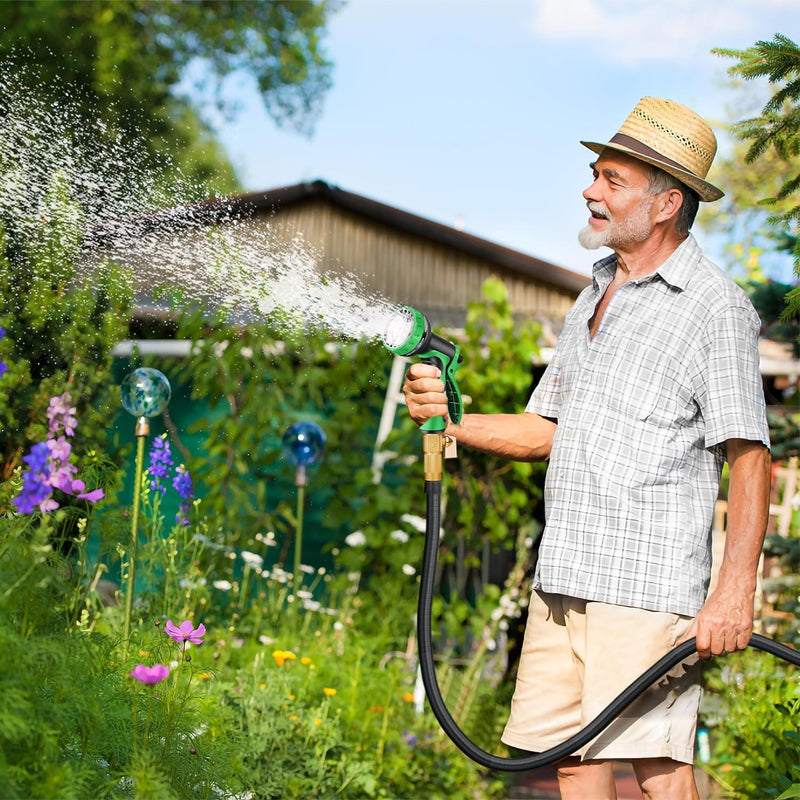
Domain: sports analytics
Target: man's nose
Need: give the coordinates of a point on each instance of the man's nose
(591, 192)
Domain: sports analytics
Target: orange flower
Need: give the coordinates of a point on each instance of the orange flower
(408, 697)
(329, 692)
(305, 660)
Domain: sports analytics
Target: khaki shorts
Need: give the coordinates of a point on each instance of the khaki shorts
(577, 656)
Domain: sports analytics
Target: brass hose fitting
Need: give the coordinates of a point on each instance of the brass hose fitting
(432, 452)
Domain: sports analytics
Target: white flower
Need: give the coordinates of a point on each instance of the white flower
(355, 539)
(399, 536)
(415, 522)
(247, 352)
(408, 569)
(224, 586)
(253, 560)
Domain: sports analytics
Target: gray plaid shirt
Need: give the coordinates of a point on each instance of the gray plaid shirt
(644, 410)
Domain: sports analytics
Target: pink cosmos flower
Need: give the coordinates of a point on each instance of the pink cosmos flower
(185, 632)
(149, 675)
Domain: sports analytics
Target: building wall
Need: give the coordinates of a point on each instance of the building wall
(408, 269)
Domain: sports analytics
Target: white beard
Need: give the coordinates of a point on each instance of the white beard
(633, 229)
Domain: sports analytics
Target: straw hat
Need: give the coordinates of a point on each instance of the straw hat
(671, 137)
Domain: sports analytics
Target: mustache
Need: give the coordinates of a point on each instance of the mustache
(599, 209)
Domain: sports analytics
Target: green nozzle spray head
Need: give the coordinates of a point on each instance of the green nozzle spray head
(408, 333)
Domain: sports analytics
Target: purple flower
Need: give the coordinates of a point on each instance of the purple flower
(36, 490)
(61, 471)
(38, 457)
(149, 675)
(3, 365)
(93, 496)
(182, 483)
(160, 463)
(48, 464)
(61, 414)
(185, 632)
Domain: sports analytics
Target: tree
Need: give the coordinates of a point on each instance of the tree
(776, 132)
(127, 57)
(754, 248)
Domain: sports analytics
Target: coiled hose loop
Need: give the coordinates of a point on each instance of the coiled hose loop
(585, 735)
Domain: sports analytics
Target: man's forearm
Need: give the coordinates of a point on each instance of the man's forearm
(725, 621)
(516, 437)
(748, 512)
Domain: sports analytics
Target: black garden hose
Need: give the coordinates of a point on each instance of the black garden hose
(585, 735)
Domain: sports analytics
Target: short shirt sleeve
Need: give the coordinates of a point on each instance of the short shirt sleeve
(727, 380)
(546, 397)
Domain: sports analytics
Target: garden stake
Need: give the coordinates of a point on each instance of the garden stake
(141, 432)
(303, 444)
(300, 481)
(145, 393)
(408, 333)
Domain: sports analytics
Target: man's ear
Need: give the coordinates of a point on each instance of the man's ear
(669, 203)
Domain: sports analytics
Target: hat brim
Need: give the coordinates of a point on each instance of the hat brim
(706, 191)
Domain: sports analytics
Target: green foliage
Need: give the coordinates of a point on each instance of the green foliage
(281, 700)
(754, 713)
(73, 724)
(257, 385)
(335, 720)
(496, 499)
(776, 129)
(125, 59)
(60, 328)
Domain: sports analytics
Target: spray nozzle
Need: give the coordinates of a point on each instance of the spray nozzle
(408, 333)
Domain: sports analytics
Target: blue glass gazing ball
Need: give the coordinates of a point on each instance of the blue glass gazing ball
(145, 392)
(304, 444)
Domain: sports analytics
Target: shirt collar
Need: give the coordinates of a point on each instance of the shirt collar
(675, 271)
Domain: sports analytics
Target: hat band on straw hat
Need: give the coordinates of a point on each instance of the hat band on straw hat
(644, 150)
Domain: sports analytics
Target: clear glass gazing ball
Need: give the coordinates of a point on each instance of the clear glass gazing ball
(145, 392)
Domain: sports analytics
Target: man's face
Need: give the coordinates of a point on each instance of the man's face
(619, 202)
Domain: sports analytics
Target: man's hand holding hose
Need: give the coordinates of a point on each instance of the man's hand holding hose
(518, 437)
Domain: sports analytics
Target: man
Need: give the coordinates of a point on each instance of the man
(654, 383)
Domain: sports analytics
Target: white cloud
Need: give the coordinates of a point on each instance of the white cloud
(633, 31)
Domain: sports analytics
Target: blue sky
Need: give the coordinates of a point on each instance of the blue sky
(470, 112)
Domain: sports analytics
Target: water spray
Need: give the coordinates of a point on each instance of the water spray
(408, 333)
